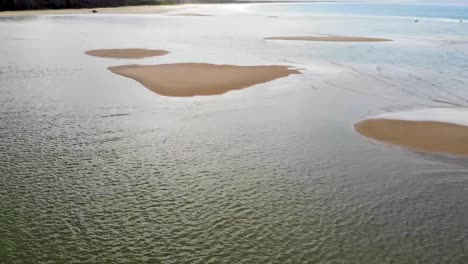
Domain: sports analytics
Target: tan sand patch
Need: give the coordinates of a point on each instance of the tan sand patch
(126, 53)
(330, 38)
(424, 136)
(192, 79)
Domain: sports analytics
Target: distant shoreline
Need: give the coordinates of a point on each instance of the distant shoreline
(10, 5)
(139, 9)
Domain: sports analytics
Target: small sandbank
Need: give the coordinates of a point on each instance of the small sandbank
(145, 9)
(126, 53)
(330, 38)
(423, 136)
(192, 79)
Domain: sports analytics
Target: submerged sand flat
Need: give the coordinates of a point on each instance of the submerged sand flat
(330, 38)
(145, 9)
(424, 136)
(126, 53)
(191, 79)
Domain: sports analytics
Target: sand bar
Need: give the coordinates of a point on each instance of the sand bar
(144, 9)
(126, 53)
(192, 79)
(423, 136)
(330, 38)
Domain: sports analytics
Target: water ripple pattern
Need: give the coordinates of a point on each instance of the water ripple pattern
(95, 168)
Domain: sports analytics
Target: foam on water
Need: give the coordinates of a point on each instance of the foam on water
(457, 116)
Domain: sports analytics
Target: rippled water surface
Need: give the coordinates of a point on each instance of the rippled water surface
(94, 168)
(418, 10)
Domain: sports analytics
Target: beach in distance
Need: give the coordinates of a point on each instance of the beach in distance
(306, 132)
(138, 9)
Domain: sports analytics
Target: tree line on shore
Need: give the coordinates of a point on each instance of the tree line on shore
(56, 4)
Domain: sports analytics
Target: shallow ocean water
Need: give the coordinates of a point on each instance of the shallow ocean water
(406, 10)
(94, 168)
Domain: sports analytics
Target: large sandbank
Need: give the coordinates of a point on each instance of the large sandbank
(192, 79)
(330, 38)
(424, 136)
(126, 53)
(144, 9)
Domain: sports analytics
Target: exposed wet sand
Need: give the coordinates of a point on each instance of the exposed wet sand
(423, 136)
(330, 38)
(192, 79)
(126, 53)
(145, 9)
